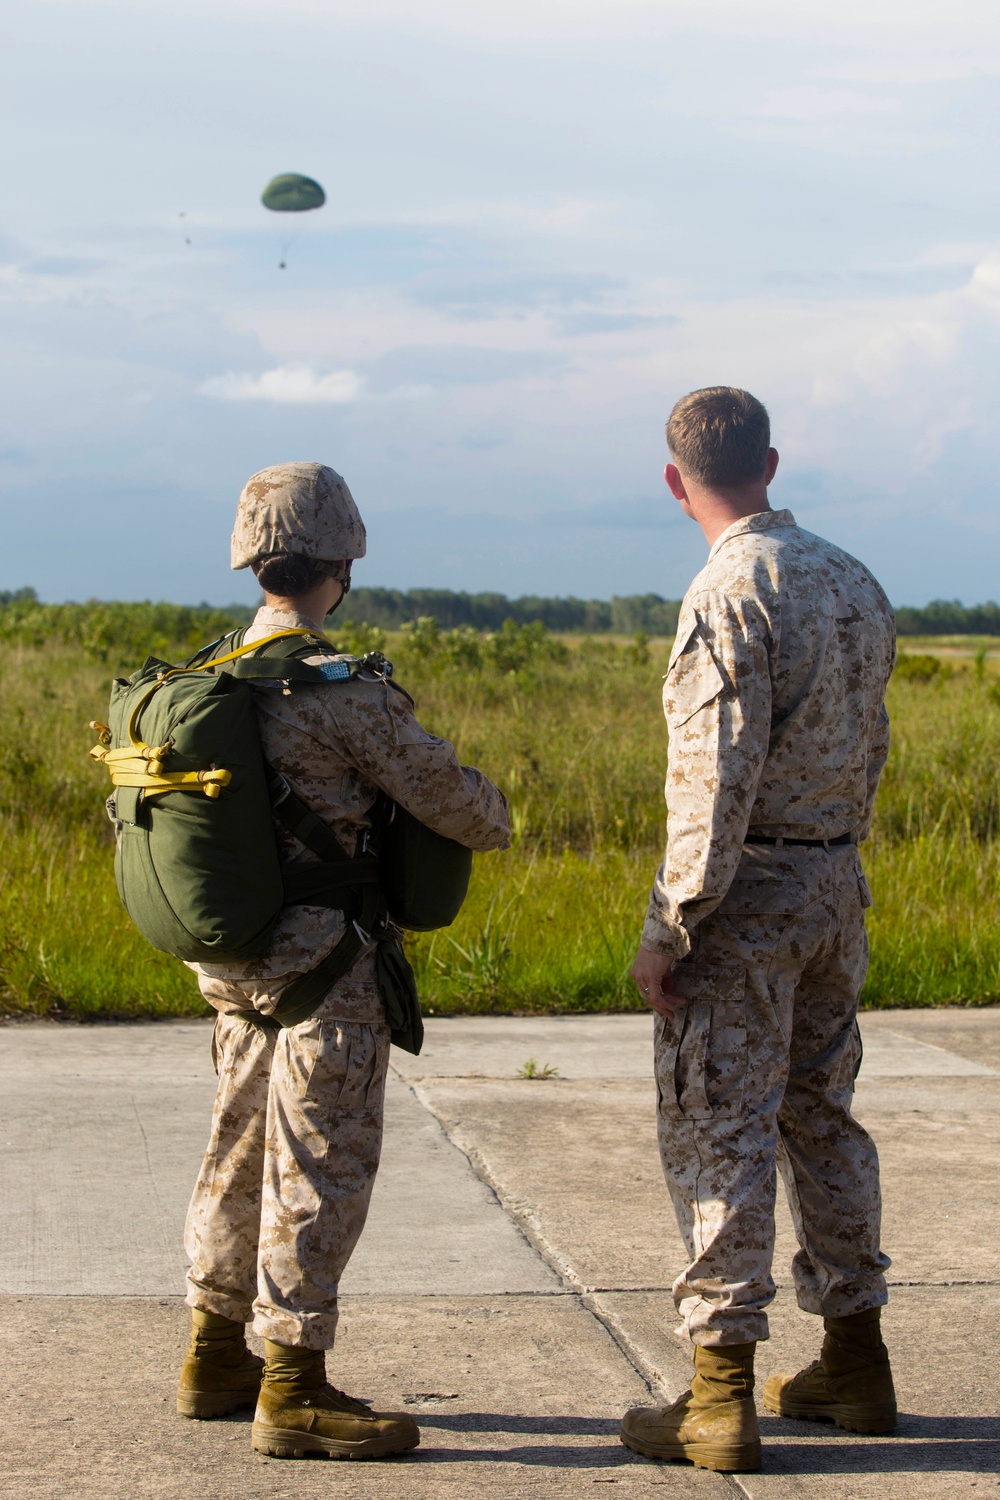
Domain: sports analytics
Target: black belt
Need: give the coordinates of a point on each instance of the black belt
(760, 838)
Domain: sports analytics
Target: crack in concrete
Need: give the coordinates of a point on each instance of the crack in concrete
(524, 1219)
(517, 1211)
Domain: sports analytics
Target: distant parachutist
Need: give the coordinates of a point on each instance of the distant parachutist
(291, 193)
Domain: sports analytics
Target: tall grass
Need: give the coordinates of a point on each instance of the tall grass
(576, 738)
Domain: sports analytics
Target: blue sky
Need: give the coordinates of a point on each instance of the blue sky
(544, 222)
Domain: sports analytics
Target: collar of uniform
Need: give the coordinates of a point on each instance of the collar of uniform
(763, 520)
(270, 620)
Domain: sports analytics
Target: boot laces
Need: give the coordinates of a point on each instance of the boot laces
(341, 1401)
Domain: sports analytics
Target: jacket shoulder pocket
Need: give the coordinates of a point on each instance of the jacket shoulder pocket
(693, 681)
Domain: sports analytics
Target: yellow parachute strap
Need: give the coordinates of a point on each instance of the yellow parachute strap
(153, 785)
(255, 646)
(141, 765)
(206, 666)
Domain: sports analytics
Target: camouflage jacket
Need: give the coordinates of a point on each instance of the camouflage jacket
(774, 700)
(338, 745)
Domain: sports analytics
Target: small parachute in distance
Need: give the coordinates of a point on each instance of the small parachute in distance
(291, 193)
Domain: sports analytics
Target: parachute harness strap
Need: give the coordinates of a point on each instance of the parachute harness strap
(142, 765)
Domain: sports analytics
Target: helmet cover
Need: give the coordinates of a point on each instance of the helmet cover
(304, 509)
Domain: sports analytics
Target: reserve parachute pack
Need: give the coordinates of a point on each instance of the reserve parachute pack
(195, 804)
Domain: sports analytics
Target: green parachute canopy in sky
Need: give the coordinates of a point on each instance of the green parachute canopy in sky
(291, 193)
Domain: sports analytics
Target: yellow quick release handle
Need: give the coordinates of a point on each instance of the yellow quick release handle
(142, 765)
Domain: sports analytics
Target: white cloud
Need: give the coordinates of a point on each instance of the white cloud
(288, 385)
(956, 253)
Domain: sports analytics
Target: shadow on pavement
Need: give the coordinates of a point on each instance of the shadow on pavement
(980, 1428)
(920, 1445)
(548, 1455)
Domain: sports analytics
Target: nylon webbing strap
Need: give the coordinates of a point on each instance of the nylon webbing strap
(302, 996)
(279, 660)
(357, 877)
(300, 999)
(286, 668)
(298, 819)
(316, 883)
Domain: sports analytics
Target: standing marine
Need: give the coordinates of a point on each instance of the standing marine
(754, 949)
(284, 1188)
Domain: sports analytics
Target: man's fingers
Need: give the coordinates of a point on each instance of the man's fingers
(652, 975)
(665, 1005)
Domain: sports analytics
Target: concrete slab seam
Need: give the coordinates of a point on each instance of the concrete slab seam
(516, 1210)
(656, 1382)
(654, 1377)
(934, 1284)
(529, 1227)
(524, 1219)
(732, 1483)
(150, 1171)
(945, 1051)
(789, 1286)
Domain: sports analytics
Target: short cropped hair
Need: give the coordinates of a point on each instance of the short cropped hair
(288, 574)
(720, 436)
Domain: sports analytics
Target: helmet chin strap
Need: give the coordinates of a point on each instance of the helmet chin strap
(343, 577)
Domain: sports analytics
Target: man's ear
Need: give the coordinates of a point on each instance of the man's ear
(675, 483)
(770, 468)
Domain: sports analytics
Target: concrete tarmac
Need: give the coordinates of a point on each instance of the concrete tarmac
(512, 1287)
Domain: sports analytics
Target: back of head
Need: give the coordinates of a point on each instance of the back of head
(301, 510)
(719, 436)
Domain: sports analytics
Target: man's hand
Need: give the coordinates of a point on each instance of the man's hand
(652, 973)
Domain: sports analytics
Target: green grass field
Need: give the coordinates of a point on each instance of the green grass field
(572, 730)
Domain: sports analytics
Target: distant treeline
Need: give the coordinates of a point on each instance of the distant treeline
(125, 632)
(24, 616)
(948, 617)
(624, 615)
(391, 608)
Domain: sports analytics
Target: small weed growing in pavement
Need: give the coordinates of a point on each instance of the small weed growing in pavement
(530, 1069)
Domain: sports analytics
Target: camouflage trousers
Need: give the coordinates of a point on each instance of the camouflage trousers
(284, 1188)
(755, 1074)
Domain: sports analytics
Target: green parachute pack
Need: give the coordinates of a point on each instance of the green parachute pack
(195, 805)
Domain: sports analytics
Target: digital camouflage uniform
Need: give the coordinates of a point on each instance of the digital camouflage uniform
(774, 702)
(283, 1192)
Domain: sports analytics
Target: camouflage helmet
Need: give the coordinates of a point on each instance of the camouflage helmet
(305, 509)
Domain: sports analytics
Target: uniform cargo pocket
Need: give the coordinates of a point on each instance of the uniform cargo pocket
(701, 1053)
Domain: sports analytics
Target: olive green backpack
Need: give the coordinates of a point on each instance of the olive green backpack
(194, 805)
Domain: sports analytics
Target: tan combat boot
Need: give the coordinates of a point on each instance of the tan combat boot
(219, 1373)
(713, 1425)
(850, 1384)
(298, 1413)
